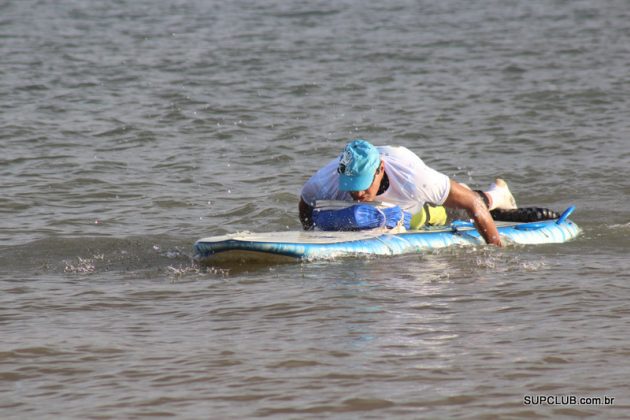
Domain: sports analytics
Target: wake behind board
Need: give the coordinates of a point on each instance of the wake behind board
(313, 245)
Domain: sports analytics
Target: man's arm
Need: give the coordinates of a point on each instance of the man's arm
(463, 198)
(306, 215)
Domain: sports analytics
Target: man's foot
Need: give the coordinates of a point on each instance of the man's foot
(501, 196)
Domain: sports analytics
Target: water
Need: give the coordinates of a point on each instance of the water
(130, 129)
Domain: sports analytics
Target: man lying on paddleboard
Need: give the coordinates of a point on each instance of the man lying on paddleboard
(398, 176)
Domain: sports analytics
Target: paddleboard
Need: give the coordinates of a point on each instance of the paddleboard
(315, 245)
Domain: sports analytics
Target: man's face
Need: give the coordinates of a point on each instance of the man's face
(370, 193)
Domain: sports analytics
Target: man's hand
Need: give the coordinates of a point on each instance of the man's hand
(306, 215)
(461, 197)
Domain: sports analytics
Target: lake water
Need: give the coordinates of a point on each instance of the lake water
(129, 129)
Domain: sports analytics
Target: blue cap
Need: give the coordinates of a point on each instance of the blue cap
(357, 166)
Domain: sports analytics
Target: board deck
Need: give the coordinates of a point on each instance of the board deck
(312, 245)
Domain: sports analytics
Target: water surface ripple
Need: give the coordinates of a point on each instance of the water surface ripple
(132, 128)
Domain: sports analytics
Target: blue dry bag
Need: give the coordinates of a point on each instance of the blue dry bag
(360, 217)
